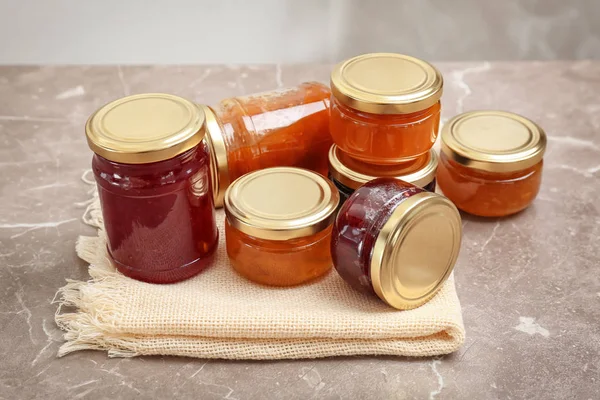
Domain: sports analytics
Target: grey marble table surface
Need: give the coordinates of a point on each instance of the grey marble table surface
(529, 284)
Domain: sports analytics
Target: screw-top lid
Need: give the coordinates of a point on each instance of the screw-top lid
(281, 203)
(386, 83)
(495, 141)
(145, 128)
(219, 170)
(416, 250)
(354, 173)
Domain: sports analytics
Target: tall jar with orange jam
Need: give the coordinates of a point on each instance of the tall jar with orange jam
(278, 226)
(491, 162)
(284, 127)
(385, 107)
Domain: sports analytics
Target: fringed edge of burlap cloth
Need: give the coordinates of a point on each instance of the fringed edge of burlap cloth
(95, 300)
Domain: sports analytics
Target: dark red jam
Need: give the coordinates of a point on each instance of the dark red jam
(159, 217)
(358, 224)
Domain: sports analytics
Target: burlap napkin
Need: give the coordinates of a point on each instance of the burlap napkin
(219, 314)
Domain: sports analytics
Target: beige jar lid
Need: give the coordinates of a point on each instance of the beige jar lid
(354, 173)
(416, 250)
(145, 128)
(281, 203)
(494, 141)
(219, 169)
(386, 83)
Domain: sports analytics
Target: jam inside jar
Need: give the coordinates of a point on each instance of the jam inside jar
(491, 162)
(279, 223)
(157, 202)
(348, 173)
(397, 241)
(283, 127)
(385, 107)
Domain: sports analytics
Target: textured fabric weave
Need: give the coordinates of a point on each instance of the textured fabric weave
(219, 314)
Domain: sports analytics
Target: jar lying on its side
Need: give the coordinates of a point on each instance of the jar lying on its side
(152, 171)
(385, 107)
(491, 162)
(285, 127)
(396, 240)
(348, 174)
(278, 225)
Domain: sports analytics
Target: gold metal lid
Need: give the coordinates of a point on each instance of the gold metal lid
(145, 128)
(281, 203)
(219, 170)
(416, 250)
(496, 141)
(354, 173)
(386, 83)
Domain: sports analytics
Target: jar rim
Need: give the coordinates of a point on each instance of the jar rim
(386, 83)
(145, 128)
(345, 169)
(493, 141)
(281, 203)
(416, 250)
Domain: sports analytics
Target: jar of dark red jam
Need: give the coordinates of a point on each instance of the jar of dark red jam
(348, 174)
(385, 107)
(396, 240)
(279, 128)
(491, 162)
(152, 171)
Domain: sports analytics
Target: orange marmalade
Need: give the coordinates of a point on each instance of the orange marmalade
(385, 107)
(491, 162)
(286, 127)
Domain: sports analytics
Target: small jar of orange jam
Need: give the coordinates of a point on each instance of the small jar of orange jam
(491, 162)
(278, 225)
(284, 127)
(385, 107)
(348, 174)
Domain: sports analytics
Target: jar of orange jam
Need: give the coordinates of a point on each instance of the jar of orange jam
(491, 162)
(278, 225)
(397, 241)
(153, 176)
(285, 127)
(348, 174)
(385, 107)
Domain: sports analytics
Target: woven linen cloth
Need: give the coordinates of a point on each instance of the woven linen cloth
(219, 314)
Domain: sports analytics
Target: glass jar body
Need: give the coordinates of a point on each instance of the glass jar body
(383, 138)
(285, 127)
(488, 194)
(358, 224)
(159, 217)
(279, 263)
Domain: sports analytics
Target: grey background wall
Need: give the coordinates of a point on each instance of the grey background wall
(266, 31)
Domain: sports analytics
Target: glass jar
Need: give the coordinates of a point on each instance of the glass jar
(348, 174)
(285, 127)
(153, 176)
(396, 240)
(385, 108)
(278, 225)
(491, 162)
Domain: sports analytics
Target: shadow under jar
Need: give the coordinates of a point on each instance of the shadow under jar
(491, 162)
(348, 174)
(396, 240)
(385, 107)
(152, 172)
(283, 127)
(278, 225)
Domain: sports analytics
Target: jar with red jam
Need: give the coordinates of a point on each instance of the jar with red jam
(397, 241)
(491, 162)
(278, 226)
(153, 175)
(348, 174)
(385, 107)
(284, 127)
